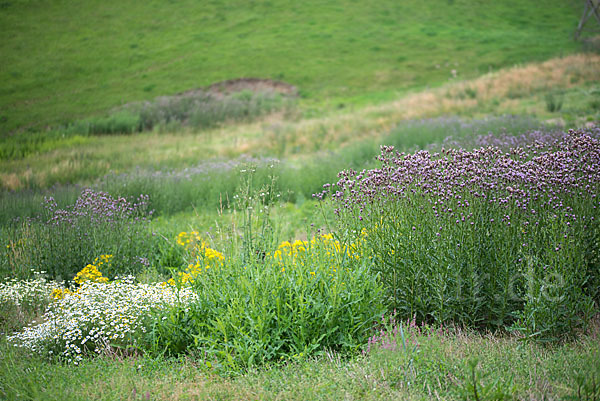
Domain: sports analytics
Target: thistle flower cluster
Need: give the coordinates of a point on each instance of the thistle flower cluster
(97, 316)
(98, 207)
(547, 175)
(62, 239)
(484, 236)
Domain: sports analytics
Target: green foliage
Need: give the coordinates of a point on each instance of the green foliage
(249, 314)
(167, 256)
(121, 122)
(20, 146)
(473, 389)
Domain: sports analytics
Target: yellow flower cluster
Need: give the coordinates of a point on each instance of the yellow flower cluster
(189, 240)
(91, 272)
(204, 256)
(294, 252)
(287, 254)
(60, 293)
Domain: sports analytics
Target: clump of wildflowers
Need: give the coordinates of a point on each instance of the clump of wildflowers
(202, 256)
(486, 237)
(99, 316)
(299, 298)
(91, 273)
(63, 239)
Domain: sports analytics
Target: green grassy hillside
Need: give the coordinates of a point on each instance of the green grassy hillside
(64, 60)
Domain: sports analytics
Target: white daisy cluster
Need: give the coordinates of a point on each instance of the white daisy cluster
(99, 315)
(29, 293)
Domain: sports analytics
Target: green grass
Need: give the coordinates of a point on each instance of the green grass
(438, 369)
(63, 61)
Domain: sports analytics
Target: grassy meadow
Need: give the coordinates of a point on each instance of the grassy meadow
(317, 200)
(62, 61)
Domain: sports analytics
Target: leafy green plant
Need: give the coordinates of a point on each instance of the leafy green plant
(250, 312)
(258, 231)
(473, 389)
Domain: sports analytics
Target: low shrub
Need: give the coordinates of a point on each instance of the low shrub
(204, 109)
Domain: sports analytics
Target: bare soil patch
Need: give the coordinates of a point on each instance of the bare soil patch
(256, 85)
